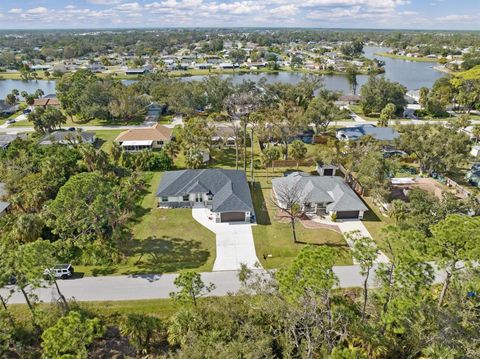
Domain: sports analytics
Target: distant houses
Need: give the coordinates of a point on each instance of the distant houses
(46, 102)
(7, 139)
(4, 206)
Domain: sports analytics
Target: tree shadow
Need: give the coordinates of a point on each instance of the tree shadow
(103, 271)
(166, 254)
(327, 244)
(226, 158)
(99, 142)
(260, 206)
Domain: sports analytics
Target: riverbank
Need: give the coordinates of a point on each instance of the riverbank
(406, 58)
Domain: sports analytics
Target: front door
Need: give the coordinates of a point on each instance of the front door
(199, 197)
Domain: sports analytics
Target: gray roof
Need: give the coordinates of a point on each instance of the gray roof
(67, 137)
(323, 189)
(3, 192)
(229, 187)
(6, 139)
(379, 133)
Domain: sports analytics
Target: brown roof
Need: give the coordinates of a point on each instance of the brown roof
(46, 102)
(155, 133)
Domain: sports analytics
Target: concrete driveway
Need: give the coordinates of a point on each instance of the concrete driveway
(234, 242)
(347, 226)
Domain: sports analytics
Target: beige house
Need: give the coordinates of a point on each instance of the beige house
(147, 138)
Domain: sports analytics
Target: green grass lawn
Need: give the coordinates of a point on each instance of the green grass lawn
(375, 222)
(274, 238)
(105, 138)
(162, 241)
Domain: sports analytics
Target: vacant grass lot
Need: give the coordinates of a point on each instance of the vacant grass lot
(162, 241)
(375, 222)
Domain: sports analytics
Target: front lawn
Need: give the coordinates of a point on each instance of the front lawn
(274, 238)
(162, 241)
(375, 222)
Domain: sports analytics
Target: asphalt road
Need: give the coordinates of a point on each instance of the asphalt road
(138, 287)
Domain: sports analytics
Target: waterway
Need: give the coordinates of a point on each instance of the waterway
(411, 74)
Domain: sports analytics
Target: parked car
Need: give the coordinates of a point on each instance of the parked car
(9, 122)
(72, 129)
(27, 111)
(60, 271)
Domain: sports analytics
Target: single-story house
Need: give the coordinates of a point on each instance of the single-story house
(154, 110)
(4, 206)
(46, 102)
(140, 71)
(354, 133)
(146, 138)
(7, 139)
(6, 109)
(348, 99)
(68, 138)
(321, 195)
(224, 192)
(225, 136)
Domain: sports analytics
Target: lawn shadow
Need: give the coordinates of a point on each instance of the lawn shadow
(226, 158)
(370, 215)
(260, 206)
(103, 271)
(78, 275)
(166, 254)
(327, 244)
(99, 142)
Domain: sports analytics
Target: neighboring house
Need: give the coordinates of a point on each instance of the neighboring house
(68, 138)
(154, 110)
(473, 176)
(224, 136)
(224, 192)
(386, 134)
(6, 109)
(140, 71)
(147, 138)
(322, 195)
(348, 100)
(7, 139)
(4, 206)
(324, 169)
(46, 102)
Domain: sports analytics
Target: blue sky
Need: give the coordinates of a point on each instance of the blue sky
(405, 14)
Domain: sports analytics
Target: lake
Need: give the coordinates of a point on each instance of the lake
(411, 74)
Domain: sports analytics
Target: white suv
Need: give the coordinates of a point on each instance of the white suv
(63, 271)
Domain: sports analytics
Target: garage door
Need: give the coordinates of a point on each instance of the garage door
(347, 214)
(233, 216)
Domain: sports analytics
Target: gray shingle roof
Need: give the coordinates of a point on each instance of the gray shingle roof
(229, 187)
(323, 189)
(379, 133)
(6, 139)
(67, 137)
(3, 205)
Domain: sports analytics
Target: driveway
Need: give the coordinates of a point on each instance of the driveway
(234, 242)
(347, 226)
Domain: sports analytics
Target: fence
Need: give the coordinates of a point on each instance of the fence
(460, 189)
(292, 163)
(353, 182)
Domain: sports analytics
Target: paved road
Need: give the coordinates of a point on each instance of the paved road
(5, 129)
(234, 242)
(138, 287)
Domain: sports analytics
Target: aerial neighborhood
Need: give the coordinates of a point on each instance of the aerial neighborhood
(227, 193)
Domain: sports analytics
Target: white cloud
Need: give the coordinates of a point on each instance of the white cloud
(457, 17)
(104, 2)
(129, 6)
(37, 11)
(15, 10)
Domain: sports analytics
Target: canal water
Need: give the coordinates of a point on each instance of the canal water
(411, 74)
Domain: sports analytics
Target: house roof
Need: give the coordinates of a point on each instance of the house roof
(46, 102)
(3, 205)
(323, 189)
(379, 133)
(229, 187)
(5, 107)
(155, 133)
(6, 139)
(66, 137)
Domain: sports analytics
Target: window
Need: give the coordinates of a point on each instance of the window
(160, 142)
(164, 199)
(186, 198)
